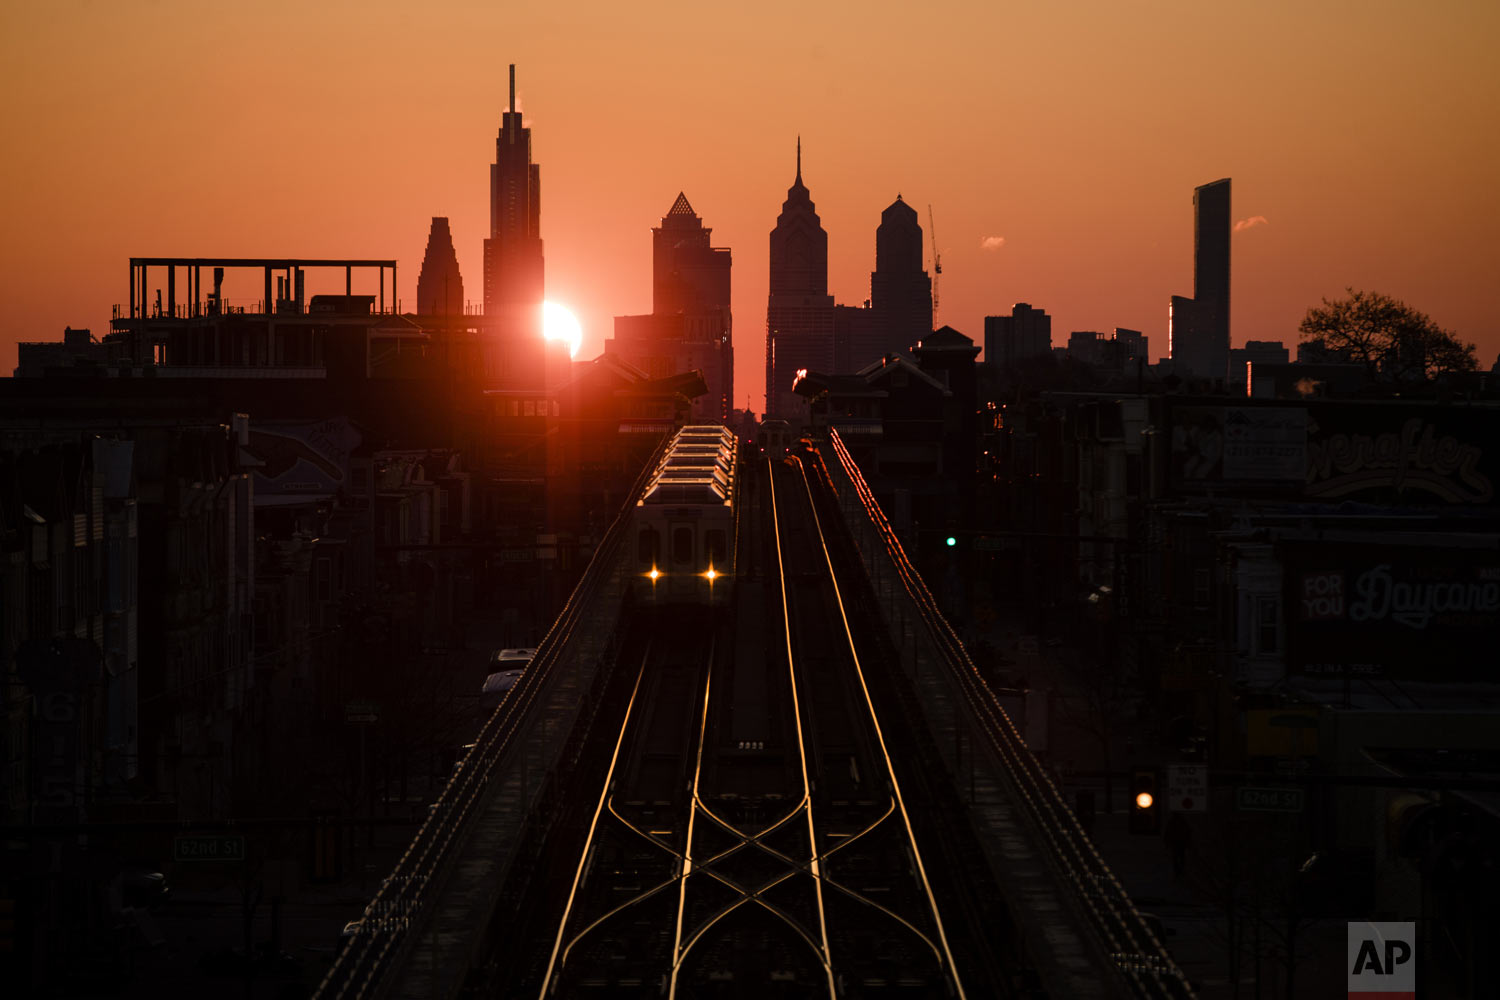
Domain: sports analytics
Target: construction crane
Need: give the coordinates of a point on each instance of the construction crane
(937, 265)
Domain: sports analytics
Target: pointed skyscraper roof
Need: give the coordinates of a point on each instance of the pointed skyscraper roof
(681, 206)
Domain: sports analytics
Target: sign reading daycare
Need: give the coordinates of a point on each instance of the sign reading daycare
(1404, 611)
(301, 459)
(1382, 960)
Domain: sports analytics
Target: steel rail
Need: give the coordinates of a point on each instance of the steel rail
(588, 843)
(791, 661)
(874, 719)
(1133, 947)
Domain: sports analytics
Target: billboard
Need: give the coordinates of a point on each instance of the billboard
(1339, 450)
(1405, 612)
(301, 460)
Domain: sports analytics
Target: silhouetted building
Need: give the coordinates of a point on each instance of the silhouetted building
(690, 326)
(1083, 345)
(1255, 352)
(1189, 338)
(513, 264)
(687, 274)
(799, 310)
(440, 288)
(853, 337)
(1200, 334)
(1133, 345)
(1025, 333)
(77, 347)
(900, 291)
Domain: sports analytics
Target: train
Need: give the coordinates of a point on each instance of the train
(683, 544)
(775, 439)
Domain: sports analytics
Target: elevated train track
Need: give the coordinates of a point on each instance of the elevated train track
(753, 811)
(714, 865)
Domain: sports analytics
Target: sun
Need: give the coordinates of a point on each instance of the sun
(559, 323)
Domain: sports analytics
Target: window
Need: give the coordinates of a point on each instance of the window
(1201, 578)
(528, 408)
(682, 546)
(648, 547)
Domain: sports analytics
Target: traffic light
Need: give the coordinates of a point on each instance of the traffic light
(952, 541)
(1145, 801)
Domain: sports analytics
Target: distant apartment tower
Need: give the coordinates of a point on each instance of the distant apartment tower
(1025, 333)
(690, 325)
(513, 263)
(900, 290)
(1199, 327)
(1133, 345)
(440, 288)
(799, 310)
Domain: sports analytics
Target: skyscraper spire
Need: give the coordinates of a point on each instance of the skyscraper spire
(799, 159)
(512, 86)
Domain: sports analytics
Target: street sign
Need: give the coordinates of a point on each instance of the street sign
(1275, 800)
(208, 847)
(1187, 787)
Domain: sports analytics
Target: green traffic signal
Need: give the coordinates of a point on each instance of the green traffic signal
(952, 541)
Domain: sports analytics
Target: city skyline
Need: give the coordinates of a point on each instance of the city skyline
(1067, 190)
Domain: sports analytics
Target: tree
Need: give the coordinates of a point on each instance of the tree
(1390, 338)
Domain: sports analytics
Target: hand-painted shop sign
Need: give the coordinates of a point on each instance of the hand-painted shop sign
(1415, 458)
(1335, 450)
(1397, 594)
(1421, 612)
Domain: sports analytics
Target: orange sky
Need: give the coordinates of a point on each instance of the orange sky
(1364, 133)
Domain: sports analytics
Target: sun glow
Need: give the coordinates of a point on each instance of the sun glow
(559, 323)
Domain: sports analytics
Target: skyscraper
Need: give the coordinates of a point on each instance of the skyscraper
(1211, 228)
(799, 310)
(900, 291)
(1199, 327)
(440, 288)
(687, 275)
(513, 266)
(690, 326)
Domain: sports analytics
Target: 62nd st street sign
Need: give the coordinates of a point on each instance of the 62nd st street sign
(1276, 800)
(208, 847)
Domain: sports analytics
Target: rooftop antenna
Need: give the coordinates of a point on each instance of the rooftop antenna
(799, 159)
(513, 88)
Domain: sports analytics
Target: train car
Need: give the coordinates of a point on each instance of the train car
(774, 438)
(684, 520)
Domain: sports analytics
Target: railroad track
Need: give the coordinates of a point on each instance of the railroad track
(748, 834)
